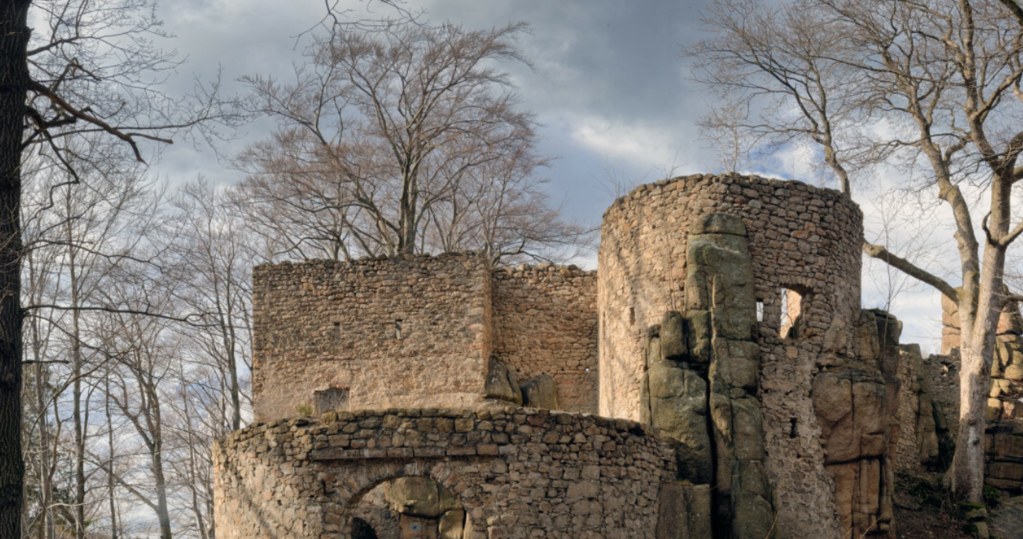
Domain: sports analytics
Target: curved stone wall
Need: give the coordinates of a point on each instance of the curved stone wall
(803, 240)
(516, 472)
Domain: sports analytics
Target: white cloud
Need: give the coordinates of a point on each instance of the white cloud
(641, 145)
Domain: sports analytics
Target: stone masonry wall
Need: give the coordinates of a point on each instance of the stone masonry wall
(545, 322)
(405, 332)
(802, 240)
(516, 472)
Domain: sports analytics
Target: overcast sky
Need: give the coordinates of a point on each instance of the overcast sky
(609, 86)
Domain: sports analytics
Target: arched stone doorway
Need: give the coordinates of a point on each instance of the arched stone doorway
(411, 507)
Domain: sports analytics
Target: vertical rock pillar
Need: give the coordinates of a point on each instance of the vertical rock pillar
(721, 310)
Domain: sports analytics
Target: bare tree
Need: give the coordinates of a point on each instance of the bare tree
(139, 395)
(944, 77)
(390, 139)
(88, 66)
(213, 272)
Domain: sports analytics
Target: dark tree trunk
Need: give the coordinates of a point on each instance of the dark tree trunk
(14, 79)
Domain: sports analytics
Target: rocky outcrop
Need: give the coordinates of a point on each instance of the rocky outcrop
(856, 402)
(1004, 448)
(719, 283)
(923, 431)
(678, 402)
(701, 382)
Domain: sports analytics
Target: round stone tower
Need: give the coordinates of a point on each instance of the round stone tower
(804, 245)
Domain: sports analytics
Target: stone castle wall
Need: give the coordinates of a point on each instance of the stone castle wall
(545, 322)
(516, 473)
(417, 332)
(403, 332)
(798, 407)
(801, 239)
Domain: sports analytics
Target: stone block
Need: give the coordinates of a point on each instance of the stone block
(1007, 471)
(867, 340)
(451, 525)
(501, 382)
(747, 422)
(1014, 372)
(869, 406)
(684, 511)
(672, 512)
(417, 496)
(668, 381)
(754, 516)
(540, 391)
(582, 490)
(673, 337)
(1007, 445)
(698, 335)
(740, 367)
(832, 397)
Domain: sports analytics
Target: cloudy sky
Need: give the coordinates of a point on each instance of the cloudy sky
(609, 85)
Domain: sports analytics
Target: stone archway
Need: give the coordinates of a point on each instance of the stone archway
(408, 507)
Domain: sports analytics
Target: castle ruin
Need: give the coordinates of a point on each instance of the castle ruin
(716, 377)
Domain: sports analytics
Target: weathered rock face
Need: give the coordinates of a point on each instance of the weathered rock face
(701, 381)
(719, 283)
(856, 402)
(685, 511)
(678, 406)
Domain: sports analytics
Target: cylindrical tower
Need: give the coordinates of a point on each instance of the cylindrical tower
(805, 246)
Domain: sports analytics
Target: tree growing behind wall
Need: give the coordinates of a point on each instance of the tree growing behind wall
(932, 87)
(398, 137)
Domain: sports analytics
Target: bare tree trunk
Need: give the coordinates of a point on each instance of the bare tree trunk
(41, 401)
(77, 416)
(111, 484)
(46, 529)
(163, 512)
(14, 81)
(195, 480)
